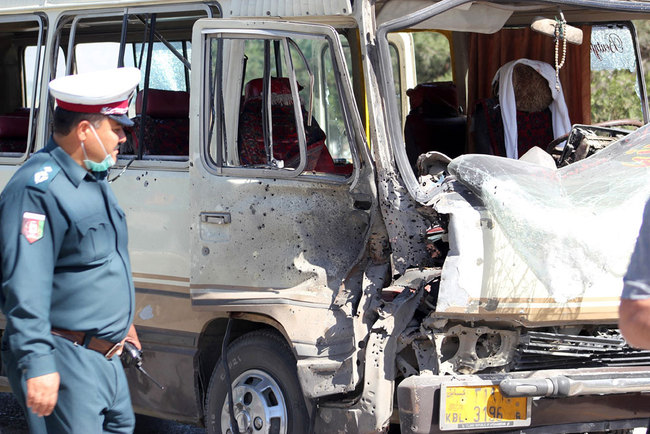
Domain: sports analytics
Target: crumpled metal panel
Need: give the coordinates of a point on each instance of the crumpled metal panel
(371, 412)
(285, 8)
(478, 349)
(462, 272)
(574, 227)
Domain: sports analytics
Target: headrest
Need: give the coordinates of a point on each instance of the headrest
(440, 99)
(165, 103)
(14, 127)
(21, 111)
(279, 86)
(532, 91)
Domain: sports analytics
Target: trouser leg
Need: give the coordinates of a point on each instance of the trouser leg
(93, 395)
(119, 417)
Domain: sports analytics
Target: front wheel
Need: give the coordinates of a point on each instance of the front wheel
(267, 397)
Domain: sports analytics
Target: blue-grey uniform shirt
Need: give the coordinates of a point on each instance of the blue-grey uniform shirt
(64, 258)
(637, 279)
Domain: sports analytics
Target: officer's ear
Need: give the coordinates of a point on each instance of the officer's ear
(82, 130)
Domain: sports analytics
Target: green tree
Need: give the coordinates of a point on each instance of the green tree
(432, 57)
(612, 96)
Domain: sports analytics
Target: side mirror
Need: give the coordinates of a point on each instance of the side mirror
(547, 26)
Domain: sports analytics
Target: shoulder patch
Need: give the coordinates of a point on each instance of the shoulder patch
(44, 175)
(32, 226)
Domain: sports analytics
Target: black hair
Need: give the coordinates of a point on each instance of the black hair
(65, 120)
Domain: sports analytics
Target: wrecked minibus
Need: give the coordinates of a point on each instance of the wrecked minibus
(353, 214)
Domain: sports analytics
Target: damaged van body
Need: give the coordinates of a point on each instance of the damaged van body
(347, 215)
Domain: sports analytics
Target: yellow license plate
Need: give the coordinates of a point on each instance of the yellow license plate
(472, 407)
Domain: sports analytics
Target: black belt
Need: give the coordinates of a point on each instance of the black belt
(106, 348)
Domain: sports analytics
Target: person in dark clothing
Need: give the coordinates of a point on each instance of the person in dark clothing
(67, 291)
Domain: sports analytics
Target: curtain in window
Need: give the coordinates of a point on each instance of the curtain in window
(489, 52)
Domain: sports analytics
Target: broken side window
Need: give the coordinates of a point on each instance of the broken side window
(615, 74)
(428, 99)
(158, 42)
(272, 100)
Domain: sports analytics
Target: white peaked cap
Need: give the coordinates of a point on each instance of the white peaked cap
(104, 92)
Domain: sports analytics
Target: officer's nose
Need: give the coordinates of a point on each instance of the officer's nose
(121, 134)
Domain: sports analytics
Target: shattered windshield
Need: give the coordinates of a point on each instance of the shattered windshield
(615, 85)
(612, 49)
(575, 227)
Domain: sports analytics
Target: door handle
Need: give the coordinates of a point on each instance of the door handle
(218, 218)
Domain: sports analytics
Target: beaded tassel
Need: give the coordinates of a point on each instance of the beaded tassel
(560, 29)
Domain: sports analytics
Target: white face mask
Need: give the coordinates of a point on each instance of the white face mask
(94, 166)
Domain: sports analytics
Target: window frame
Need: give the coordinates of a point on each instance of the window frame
(71, 18)
(640, 79)
(326, 52)
(39, 59)
(269, 30)
(279, 172)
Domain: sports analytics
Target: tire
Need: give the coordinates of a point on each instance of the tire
(267, 396)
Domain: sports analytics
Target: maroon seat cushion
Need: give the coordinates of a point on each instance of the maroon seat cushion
(534, 129)
(13, 133)
(488, 128)
(166, 123)
(439, 99)
(164, 104)
(285, 135)
(434, 122)
(161, 136)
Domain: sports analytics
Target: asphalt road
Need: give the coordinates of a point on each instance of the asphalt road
(12, 421)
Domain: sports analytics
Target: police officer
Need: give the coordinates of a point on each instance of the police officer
(67, 291)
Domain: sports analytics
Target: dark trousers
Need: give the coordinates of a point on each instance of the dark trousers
(93, 396)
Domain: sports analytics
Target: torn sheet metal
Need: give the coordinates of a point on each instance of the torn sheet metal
(462, 272)
(574, 227)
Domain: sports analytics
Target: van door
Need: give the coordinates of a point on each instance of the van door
(280, 211)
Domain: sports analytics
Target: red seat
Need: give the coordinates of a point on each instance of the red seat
(285, 136)
(13, 133)
(534, 120)
(533, 129)
(434, 122)
(166, 123)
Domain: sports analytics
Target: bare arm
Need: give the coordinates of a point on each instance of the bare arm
(634, 322)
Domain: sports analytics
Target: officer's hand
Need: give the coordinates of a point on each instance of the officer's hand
(42, 393)
(132, 337)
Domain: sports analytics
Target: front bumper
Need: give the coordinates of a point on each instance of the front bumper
(569, 400)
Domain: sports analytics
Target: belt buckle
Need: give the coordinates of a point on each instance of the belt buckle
(114, 349)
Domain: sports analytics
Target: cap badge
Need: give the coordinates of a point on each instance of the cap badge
(32, 228)
(114, 110)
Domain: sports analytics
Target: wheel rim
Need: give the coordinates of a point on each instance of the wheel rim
(259, 405)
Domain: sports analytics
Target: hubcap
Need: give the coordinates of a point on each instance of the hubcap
(259, 405)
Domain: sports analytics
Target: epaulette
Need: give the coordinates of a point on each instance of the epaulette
(44, 175)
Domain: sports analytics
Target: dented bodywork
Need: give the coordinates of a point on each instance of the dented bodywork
(525, 261)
